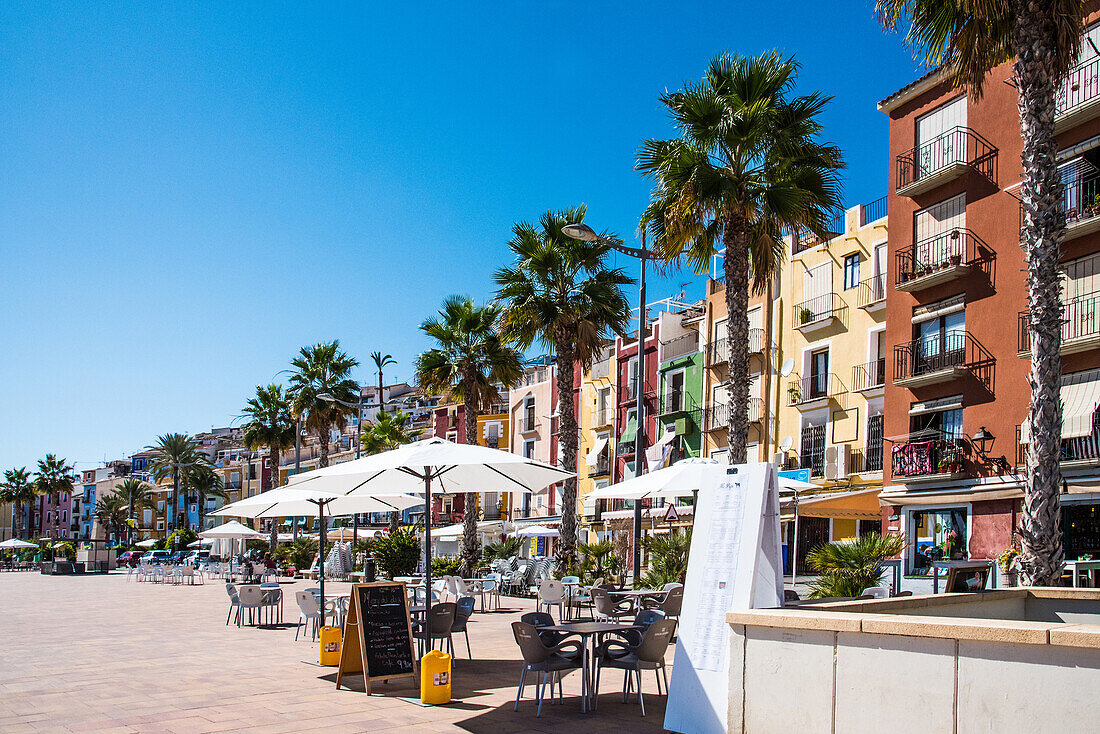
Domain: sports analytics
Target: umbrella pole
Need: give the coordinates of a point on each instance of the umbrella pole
(321, 558)
(794, 543)
(427, 557)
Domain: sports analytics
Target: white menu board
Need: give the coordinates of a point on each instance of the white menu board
(735, 563)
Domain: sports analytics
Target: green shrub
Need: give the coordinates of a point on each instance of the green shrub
(668, 559)
(445, 565)
(397, 554)
(503, 550)
(299, 553)
(66, 551)
(178, 540)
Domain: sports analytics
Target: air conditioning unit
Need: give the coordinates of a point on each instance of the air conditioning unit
(836, 461)
(779, 458)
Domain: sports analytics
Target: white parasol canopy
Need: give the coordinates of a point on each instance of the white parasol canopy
(201, 542)
(232, 529)
(536, 531)
(295, 501)
(16, 543)
(450, 532)
(146, 543)
(678, 480)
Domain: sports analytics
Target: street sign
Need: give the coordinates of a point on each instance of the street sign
(671, 515)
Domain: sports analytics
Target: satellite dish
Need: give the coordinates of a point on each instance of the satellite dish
(787, 368)
(787, 443)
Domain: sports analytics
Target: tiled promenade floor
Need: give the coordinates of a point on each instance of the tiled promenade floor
(100, 654)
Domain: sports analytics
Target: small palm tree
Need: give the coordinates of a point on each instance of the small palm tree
(53, 477)
(111, 511)
(138, 496)
(388, 431)
(18, 489)
(1043, 39)
(848, 567)
(503, 550)
(270, 426)
(746, 167)
(203, 483)
(562, 293)
(595, 559)
(174, 454)
(323, 369)
(381, 361)
(668, 559)
(468, 359)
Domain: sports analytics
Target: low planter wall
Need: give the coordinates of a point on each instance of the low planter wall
(1002, 661)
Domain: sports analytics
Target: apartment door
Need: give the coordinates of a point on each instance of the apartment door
(719, 406)
(942, 343)
(877, 372)
(878, 266)
(674, 395)
(812, 532)
(756, 330)
(1081, 294)
(937, 232)
(939, 142)
(817, 287)
(819, 374)
(755, 402)
(812, 449)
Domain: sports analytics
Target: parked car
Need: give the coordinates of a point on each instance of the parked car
(196, 557)
(129, 558)
(155, 556)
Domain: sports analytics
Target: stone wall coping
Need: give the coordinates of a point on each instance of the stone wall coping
(881, 616)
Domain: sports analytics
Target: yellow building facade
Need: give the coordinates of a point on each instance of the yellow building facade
(596, 444)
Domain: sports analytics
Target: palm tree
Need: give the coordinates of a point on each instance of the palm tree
(1043, 39)
(468, 358)
(204, 484)
(53, 477)
(18, 489)
(270, 426)
(111, 511)
(561, 292)
(380, 362)
(747, 165)
(388, 431)
(849, 566)
(138, 496)
(173, 454)
(323, 369)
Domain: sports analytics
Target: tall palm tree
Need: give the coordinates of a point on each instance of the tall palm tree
(53, 477)
(173, 454)
(138, 496)
(111, 512)
(468, 358)
(204, 483)
(561, 292)
(270, 426)
(1043, 39)
(323, 369)
(18, 489)
(387, 432)
(746, 166)
(381, 361)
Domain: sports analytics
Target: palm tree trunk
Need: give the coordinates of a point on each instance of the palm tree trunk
(1041, 552)
(175, 525)
(737, 334)
(567, 425)
(323, 433)
(471, 547)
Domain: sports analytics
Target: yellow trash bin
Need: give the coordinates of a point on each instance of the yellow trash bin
(435, 678)
(331, 637)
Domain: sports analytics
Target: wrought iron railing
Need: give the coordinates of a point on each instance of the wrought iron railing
(949, 249)
(604, 417)
(872, 290)
(954, 349)
(811, 453)
(927, 454)
(718, 351)
(1081, 448)
(818, 308)
(873, 451)
(867, 376)
(959, 145)
(814, 387)
(1080, 320)
(718, 417)
(1081, 86)
(873, 211)
(756, 341)
(803, 239)
(677, 401)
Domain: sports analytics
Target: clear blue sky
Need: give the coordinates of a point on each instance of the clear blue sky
(190, 192)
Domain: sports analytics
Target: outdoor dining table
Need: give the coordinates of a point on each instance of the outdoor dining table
(590, 634)
(1076, 567)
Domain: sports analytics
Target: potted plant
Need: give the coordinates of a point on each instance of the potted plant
(1007, 563)
(955, 259)
(805, 316)
(795, 394)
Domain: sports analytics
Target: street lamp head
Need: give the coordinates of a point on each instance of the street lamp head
(580, 231)
(327, 397)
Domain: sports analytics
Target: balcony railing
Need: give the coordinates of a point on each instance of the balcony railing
(602, 468)
(718, 352)
(1082, 448)
(756, 409)
(941, 258)
(718, 417)
(818, 311)
(873, 211)
(871, 291)
(1081, 86)
(756, 341)
(603, 417)
(943, 158)
(814, 388)
(869, 376)
(676, 401)
(1080, 203)
(1080, 325)
(941, 358)
(926, 455)
(678, 347)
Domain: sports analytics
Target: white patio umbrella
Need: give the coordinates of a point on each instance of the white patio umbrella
(434, 466)
(294, 500)
(233, 530)
(146, 543)
(16, 543)
(536, 531)
(201, 542)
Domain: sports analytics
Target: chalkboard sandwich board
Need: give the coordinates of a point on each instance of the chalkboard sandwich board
(378, 641)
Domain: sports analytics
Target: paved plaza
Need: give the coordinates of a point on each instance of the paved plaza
(101, 654)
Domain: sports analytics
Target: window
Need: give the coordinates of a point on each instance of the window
(251, 470)
(812, 453)
(939, 143)
(872, 455)
(674, 392)
(945, 425)
(819, 373)
(529, 413)
(941, 343)
(632, 378)
(529, 449)
(937, 535)
(851, 271)
(160, 524)
(603, 413)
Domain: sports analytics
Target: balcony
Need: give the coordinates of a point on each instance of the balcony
(601, 469)
(804, 239)
(1078, 97)
(1080, 327)
(718, 352)
(870, 376)
(1075, 452)
(603, 418)
(678, 347)
(815, 391)
(924, 362)
(1080, 203)
(819, 312)
(925, 457)
(676, 401)
(945, 158)
(871, 295)
(941, 259)
(600, 370)
(718, 418)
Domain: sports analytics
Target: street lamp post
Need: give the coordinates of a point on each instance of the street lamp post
(581, 231)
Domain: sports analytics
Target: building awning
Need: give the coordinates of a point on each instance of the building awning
(1080, 396)
(630, 430)
(923, 498)
(654, 455)
(452, 532)
(858, 505)
(952, 402)
(593, 457)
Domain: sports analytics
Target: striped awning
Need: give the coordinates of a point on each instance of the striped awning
(593, 457)
(1080, 396)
